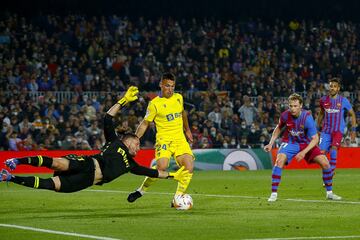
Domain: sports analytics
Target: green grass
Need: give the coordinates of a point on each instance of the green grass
(227, 205)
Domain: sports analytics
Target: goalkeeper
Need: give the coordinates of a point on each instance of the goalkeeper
(74, 173)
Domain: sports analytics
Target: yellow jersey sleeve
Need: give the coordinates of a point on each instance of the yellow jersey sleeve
(150, 112)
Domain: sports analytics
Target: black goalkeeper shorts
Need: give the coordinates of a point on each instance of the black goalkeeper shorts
(80, 175)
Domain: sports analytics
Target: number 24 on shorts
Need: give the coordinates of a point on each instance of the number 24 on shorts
(158, 148)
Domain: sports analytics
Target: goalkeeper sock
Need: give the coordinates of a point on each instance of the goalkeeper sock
(34, 182)
(37, 161)
(182, 187)
(275, 178)
(147, 183)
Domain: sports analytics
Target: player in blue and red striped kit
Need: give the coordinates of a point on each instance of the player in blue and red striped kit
(332, 122)
(299, 140)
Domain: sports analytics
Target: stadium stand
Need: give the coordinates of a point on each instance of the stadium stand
(59, 73)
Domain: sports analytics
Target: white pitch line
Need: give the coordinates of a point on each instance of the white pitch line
(215, 195)
(57, 232)
(231, 196)
(305, 238)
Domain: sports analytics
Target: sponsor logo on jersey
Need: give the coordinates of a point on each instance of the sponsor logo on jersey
(296, 133)
(331, 110)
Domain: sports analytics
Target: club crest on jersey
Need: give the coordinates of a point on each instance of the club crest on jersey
(338, 105)
(164, 105)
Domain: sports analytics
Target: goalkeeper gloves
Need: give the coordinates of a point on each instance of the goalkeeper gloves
(181, 175)
(130, 96)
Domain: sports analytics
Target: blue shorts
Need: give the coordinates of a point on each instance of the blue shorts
(290, 150)
(328, 140)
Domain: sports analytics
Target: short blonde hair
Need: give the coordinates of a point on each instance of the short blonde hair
(294, 97)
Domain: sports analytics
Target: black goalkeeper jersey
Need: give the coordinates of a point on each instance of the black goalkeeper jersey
(114, 159)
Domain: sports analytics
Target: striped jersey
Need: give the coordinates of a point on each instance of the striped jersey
(299, 129)
(334, 118)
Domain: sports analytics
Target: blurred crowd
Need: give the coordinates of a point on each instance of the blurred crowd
(235, 76)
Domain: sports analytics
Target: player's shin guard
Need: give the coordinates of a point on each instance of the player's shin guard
(333, 158)
(37, 161)
(34, 182)
(275, 178)
(327, 178)
(181, 187)
(147, 183)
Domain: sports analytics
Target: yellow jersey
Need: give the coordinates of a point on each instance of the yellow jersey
(167, 115)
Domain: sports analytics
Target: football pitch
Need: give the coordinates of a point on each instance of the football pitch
(227, 205)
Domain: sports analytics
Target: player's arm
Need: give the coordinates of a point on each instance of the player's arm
(187, 130)
(142, 128)
(149, 117)
(274, 136)
(130, 96)
(353, 124)
(109, 128)
(180, 175)
(311, 131)
(320, 118)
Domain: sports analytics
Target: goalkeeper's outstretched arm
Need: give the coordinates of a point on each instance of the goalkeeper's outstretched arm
(180, 175)
(130, 96)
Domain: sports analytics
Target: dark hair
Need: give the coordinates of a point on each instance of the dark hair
(335, 79)
(125, 134)
(294, 97)
(129, 135)
(168, 76)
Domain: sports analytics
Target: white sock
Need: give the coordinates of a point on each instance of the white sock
(140, 191)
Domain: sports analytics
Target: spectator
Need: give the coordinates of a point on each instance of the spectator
(247, 111)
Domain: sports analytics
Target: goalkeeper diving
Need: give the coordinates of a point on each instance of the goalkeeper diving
(74, 173)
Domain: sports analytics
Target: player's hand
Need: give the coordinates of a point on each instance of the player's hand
(130, 96)
(181, 175)
(268, 147)
(189, 136)
(300, 156)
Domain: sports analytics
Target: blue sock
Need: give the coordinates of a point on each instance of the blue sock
(275, 178)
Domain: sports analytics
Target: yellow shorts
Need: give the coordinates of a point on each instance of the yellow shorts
(167, 149)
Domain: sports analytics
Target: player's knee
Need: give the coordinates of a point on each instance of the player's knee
(189, 166)
(324, 163)
(161, 166)
(325, 166)
(279, 163)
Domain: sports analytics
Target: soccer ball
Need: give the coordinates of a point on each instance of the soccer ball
(183, 202)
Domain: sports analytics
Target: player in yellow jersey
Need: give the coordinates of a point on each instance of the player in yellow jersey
(172, 130)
